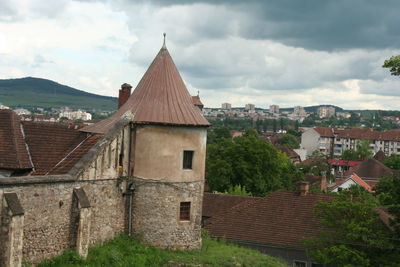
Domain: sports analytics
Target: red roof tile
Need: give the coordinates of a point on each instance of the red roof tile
(13, 152)
(281, 218)
(341, 162)
(196, 101)
(160, 97)
(356, 179)
(324, 131)
(51, 143)
(214, 204)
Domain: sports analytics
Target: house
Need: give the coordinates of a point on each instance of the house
(333, 141)
(371, 170)
(352, 180)
(139, 171)
(276, 224)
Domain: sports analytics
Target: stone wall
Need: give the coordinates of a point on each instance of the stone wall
(156, 207)
(52, 223)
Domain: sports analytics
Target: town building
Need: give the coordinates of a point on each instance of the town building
(326, 112)
(250, 107)
(226, 106)
(141, 171)
(76, 115)
(334, 141)
(274, 109)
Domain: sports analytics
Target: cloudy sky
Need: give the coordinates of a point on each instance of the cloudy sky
(285, 52)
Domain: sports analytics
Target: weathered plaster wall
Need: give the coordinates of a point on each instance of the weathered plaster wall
(156, 213)
(50, 226)
(159, 153)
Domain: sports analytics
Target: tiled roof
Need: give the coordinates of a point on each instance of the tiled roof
(281, 218)
(341, 162)
(380, 155)
(160, 97)
(359, 133)
(214, 204)
(356, 179)
(13, 152)
(50, 144)
(324, 131)
(371, 169)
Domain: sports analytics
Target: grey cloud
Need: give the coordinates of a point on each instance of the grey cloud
(313, 24)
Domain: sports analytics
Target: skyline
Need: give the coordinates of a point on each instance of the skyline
(260, 52)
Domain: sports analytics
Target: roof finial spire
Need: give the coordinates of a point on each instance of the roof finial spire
(164, 46)
(198, 92)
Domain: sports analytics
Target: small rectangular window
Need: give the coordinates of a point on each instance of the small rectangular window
(184, 212)
(187, 159)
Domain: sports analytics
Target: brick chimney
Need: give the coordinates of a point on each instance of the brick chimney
(124, 94)
(304, 186)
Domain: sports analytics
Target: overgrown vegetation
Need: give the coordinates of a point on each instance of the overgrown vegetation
(250, 162)
(125, 251)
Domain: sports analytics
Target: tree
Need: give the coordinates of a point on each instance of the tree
(363, 149)
(352, 234)
(388, 193)
(282, 123)
(274, 126)
(265, 125)
(393, 162)
(289, 141)
(394, 64)
(350, 154)
(250, 162)
(217, 134)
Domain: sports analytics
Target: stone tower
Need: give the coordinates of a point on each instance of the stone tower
(166, 164)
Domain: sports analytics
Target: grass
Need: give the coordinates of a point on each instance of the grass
(125, 251)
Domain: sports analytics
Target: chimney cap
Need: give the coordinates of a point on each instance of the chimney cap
(126, 86)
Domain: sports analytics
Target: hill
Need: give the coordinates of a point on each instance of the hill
(127, 251)
(37, 92)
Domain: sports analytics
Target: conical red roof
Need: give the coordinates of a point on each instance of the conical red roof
(160, 97)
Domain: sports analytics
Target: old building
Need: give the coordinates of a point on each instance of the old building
(139, 171)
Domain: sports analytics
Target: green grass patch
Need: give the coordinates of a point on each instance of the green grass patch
(127, 251)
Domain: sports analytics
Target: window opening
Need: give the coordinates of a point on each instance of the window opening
(184, 214)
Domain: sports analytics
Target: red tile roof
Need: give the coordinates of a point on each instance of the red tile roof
(359, 133)
(341, 162)
(281, 218)
(196, 101)
(160, 97)
(356, 179)
(50, 143)
(13, 152)
(214, 204)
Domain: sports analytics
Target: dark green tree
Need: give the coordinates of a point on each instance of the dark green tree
(265, 125)
(393, 162)
(393, 64)
(352, 233)
(274, 126)
(250, 162)
(282, 123)
(350, 154)
(388, 193)
(363, 149)
(289, 141)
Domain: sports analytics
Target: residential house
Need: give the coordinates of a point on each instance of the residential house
(352, 180)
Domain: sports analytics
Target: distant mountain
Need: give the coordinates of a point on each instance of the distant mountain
(37, 92)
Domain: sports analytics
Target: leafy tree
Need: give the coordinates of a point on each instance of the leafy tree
(250, 162)
(265, 125)
(393, 162)
(363, 149)
(282, 123)
(317, 155)
(352, 234)
(350, 154)
(294, 132)
(274, 126)
(237, 190)
(217, 134)
(388, 193)
(394, 64)
(289, 141)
